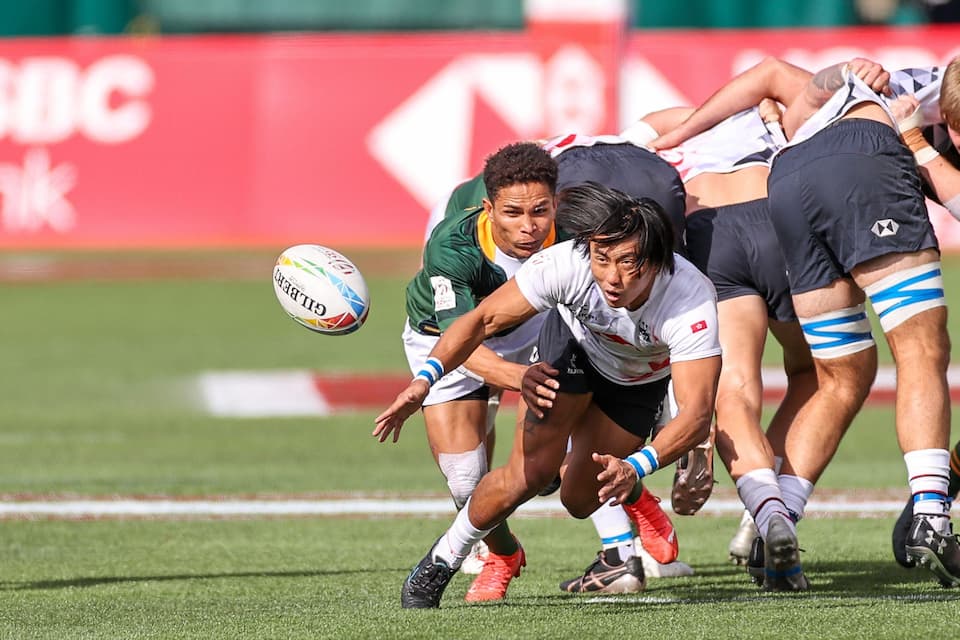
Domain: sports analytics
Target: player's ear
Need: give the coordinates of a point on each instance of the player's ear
(487, 206)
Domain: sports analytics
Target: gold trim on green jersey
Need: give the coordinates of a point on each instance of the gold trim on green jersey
(487, 244)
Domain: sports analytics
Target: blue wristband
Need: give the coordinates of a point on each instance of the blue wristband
(431, 372)
(644, 461)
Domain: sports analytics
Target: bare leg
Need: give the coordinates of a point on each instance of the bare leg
(740, 440)
(455, 431)
(539, 447)
(844, 383)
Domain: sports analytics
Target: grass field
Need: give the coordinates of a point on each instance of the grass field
(97, 375)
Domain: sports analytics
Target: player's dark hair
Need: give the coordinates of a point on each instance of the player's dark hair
(593, 212)
(519, 163)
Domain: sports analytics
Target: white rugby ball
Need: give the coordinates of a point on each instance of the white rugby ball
(321, 289)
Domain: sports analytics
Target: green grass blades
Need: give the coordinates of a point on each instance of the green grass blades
(340, 578)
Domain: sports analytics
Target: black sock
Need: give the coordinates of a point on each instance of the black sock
(635, 493)
(612, 557)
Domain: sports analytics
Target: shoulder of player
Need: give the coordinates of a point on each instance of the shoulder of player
(454, 244)
(689, 281)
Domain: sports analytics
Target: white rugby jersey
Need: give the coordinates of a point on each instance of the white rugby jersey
(923, 83)
(559, 144)
(677, 323)
(742, 140)
(853, 92)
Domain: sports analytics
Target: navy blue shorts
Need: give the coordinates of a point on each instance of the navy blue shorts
(635, 408)
(737, 248)
(847, 195)
(628, 168)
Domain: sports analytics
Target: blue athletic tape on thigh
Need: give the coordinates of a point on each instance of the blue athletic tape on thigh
(899, 296)
(838, 338)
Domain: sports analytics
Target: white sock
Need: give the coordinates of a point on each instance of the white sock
(455, 544)
(615, 531)
(928, 471)
(760, 493)
(796, 492)
(777, 463)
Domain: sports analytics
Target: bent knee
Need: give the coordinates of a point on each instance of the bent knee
(463, 472)
(578, 503)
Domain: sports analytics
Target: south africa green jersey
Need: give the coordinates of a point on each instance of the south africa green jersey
(461, 263)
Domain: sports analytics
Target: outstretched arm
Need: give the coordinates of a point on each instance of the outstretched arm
(504, 308)
(771, 78)
(825, 83)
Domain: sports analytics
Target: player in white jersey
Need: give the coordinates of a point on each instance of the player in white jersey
(635, 170)
(731, 239)
(618, 163)
(625, 314)
(846, 203)
(926, 103)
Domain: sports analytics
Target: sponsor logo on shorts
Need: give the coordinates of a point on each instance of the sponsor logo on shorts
(700, 325)
(572, 368)
(885, 228)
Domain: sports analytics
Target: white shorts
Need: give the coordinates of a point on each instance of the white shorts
(517, 346)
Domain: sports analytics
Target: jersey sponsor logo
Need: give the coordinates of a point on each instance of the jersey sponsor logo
(698, 326)
(885, 228)
(643, 333)
(443, 295)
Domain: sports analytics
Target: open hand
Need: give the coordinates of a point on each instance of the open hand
(617, 479)
(402, 408)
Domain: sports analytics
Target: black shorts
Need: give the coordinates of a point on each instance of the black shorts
(633, 170)
(849, 194)
(480, 393)
(635, 408)
(737, 248)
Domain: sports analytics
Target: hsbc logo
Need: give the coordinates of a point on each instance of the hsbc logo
(424, 143)
(46, 100)
(885, 228)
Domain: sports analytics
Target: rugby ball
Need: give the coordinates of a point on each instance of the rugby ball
(321, 289)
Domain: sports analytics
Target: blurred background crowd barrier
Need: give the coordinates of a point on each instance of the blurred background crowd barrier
(238, 123)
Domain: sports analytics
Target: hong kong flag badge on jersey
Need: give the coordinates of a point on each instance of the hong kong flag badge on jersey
(698, 326)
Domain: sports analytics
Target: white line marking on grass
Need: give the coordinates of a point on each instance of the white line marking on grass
(262, 394)
(359, 506)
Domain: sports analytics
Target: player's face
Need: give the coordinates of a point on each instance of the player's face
(522, 216)
(621, 273)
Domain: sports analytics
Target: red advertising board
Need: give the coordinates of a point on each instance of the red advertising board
(340, 140)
